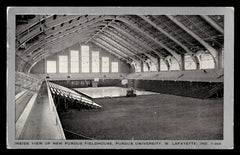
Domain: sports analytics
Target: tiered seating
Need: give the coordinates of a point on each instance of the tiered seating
(18, 89)
(203, 90)
(21, 102)
(26, 92)
(24, 81)
(71, 95)
(26, 89)
(39, 119)
(182, 88)
(213, 75)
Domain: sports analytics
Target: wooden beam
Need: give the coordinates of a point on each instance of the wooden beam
(58, 42)
(102, 29)
(84, 26)
(44, 41)
(116, 44)
(188, 51)
(200, 40)
(21, 28)
(128, 44)
(153, 60)
(56, 47)
(121, 47)
(166, 34)
(212, 23)
(107, 49)
(136, 40)
(112, 48)
(85, 23)
(106, 32)
(173, 53)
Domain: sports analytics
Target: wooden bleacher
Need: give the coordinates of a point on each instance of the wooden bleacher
(213, 75)
(26, 82)
(26, 90)
(71, 95)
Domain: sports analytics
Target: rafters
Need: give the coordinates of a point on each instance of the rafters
(84, 27)
(102, 29)
(172, 38)
(56, 47)
(107, 49)
(176, 56)
(37, 31)
(213, 51)
(137, 41)
(104, 43)
(129, 37)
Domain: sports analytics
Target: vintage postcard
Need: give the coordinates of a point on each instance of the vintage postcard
(120, 77)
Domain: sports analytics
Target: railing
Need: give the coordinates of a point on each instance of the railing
(68, 93)
(28, 36)
(54, 110)
(26, 76)
(23, 29)
(36, 27)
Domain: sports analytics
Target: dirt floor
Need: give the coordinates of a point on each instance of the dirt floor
(149, 117)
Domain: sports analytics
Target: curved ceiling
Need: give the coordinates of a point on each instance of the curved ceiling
(129, 37)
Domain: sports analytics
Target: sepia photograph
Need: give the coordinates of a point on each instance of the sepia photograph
(112, 77)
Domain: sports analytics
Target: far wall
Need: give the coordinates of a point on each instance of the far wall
(40, 67)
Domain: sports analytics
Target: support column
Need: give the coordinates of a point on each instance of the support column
(45, 65)
(80, 59)
(57, 63)
(141, 63)
(69, 60)
(90, 59)
(182, 63)
(110, 63)
(153, 60)
(220, 59)
(158, 64)
(197, 62)
(167, 64)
